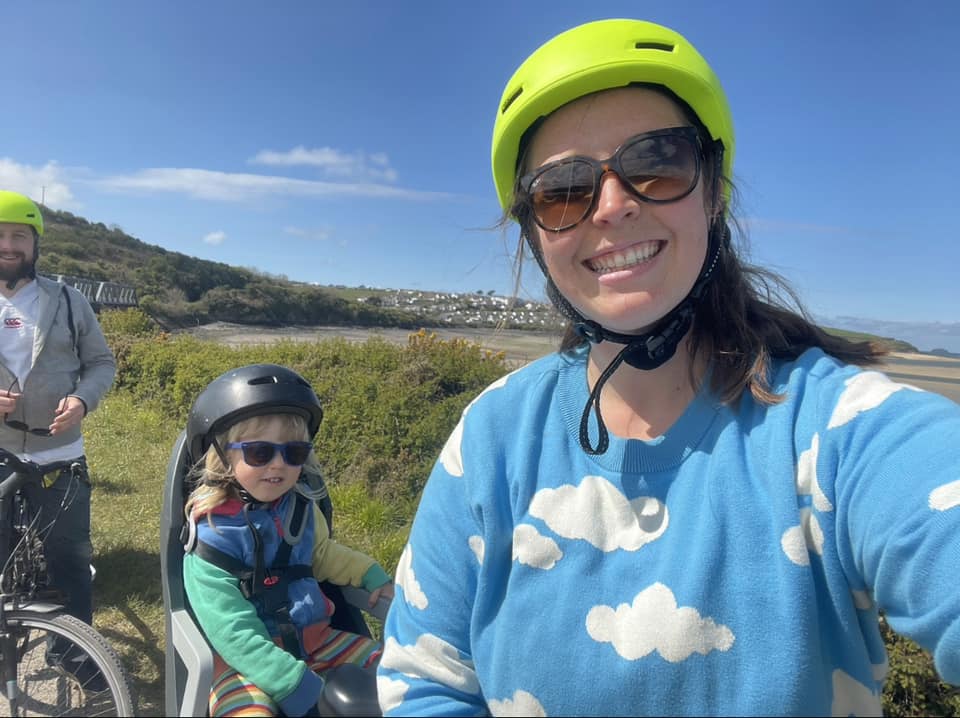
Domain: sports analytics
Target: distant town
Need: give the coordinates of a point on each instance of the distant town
(477, 309)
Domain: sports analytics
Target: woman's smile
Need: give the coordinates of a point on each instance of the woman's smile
(624, 258)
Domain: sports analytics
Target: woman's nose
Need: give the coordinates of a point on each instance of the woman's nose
(615, 202)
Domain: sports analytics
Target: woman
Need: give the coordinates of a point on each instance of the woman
(702, 502)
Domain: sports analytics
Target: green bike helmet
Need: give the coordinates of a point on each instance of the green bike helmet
(602, 55)
(20, 209)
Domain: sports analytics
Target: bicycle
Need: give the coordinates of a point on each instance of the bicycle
(51, 663)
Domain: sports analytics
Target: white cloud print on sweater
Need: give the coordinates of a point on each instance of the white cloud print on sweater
(451, 456)
(522, 704)
(654, 622)
(798, 541)
(598, 512)
(864, 391)
(532, 549)
(407, 580)
(945, 497)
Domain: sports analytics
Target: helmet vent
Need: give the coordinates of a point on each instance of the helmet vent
(662, 46)
(262, 380)
(510, 100)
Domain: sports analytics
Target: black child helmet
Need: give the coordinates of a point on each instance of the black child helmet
(248, 391)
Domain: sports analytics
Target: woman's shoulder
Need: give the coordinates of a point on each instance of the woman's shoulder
(841, 391)
(540, 376)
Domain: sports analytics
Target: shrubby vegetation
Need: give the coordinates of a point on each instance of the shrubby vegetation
(388, 411)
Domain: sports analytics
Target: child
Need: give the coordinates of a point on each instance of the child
(260, 545)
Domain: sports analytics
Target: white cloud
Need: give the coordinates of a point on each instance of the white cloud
(532, 549)
(355, 166)
(390, 692)
(407, 581)
(47, 184)
(598, 512)
(432, 659)
(655, 623)
(864, 391)
(798, 541)
(522, 704)
(477, 546)
(451, 456)
(852, 698)
(215, 238)
(807, 476)
(945, 497)
(314, 235)
(243, 187)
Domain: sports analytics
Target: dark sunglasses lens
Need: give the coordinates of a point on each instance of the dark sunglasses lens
(258, 453)
(296, 452)
(20, 426)
(562, 195)
(660, 168)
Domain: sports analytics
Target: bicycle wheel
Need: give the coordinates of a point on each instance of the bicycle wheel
(64, 668)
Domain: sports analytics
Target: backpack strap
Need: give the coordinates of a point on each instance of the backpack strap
(73, 327)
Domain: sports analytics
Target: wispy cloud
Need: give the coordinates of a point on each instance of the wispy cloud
(243, 187)
(316, 235)
(47, 184)
(215, 238)
(358, 166)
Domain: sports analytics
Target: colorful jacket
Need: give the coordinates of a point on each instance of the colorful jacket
(735, 565)
(239, 630)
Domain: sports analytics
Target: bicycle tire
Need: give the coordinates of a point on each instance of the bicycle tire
(46, 687)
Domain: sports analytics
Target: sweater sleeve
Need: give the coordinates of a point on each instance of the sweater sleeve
(236, 633)
(427, 666)
(340, 564)
(895, 452)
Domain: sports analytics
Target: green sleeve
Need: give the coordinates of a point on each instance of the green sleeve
(235, 631)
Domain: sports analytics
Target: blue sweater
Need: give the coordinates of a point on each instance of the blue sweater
(735, 565)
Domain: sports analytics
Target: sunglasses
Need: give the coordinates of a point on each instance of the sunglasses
(261, 453)
(19, 425)
(659, 167)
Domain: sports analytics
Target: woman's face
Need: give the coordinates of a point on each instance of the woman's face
(629, 262)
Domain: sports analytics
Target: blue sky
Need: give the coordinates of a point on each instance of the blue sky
(349, 143)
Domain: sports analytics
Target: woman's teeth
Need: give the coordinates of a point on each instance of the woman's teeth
(623, 259)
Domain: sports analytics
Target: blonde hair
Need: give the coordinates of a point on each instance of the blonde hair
(215, 482)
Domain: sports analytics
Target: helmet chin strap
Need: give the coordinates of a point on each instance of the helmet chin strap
(642, 351)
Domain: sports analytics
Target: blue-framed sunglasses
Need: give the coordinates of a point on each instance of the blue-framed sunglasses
(261, 453)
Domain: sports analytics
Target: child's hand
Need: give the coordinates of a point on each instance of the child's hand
(386, 590)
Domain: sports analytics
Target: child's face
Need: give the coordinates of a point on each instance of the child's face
(269, 482)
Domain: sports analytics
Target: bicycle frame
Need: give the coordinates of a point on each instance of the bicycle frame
(39, 641)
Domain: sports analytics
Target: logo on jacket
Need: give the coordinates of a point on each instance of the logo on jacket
(12, 323)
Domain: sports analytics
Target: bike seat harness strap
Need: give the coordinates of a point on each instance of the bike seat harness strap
(270, 585)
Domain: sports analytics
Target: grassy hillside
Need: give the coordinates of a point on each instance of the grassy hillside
(179, 290)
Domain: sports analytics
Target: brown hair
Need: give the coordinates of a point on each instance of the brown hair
(747, 316)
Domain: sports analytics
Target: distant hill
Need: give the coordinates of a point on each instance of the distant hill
(179, 290)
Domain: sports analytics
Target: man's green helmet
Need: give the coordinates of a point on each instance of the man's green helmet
(602, 55)
(20, 209)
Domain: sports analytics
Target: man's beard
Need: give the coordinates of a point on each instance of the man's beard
(15, 272)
